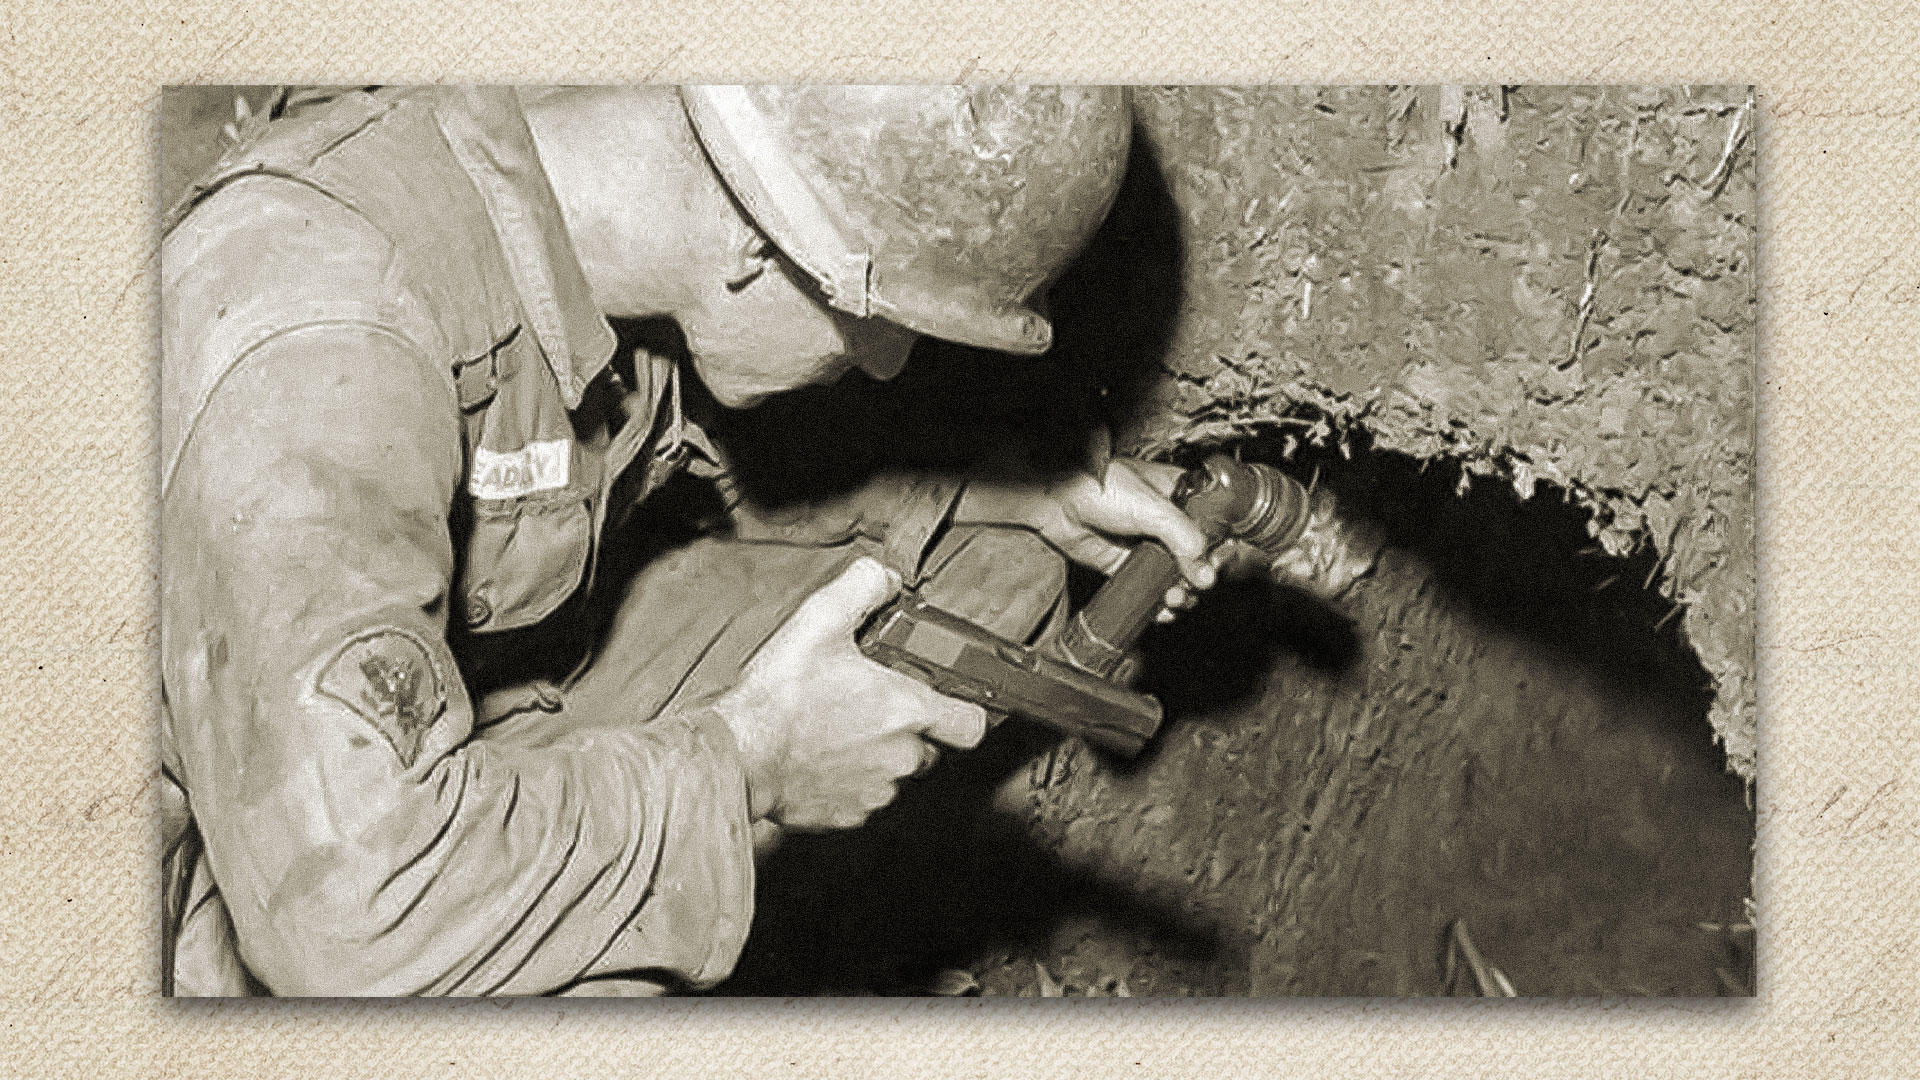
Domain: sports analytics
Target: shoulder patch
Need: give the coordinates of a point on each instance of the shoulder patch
(391, 678)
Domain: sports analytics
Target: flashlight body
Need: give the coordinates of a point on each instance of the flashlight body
(1229, 500)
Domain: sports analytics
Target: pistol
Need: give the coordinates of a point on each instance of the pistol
(1078, 680)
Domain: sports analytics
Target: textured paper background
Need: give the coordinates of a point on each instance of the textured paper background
(1838, 887)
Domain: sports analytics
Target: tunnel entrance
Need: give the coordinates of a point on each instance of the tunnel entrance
(1499, 724)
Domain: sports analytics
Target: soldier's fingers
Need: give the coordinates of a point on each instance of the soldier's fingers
(838, 608)
(929, 757)
(1159, 475)
(957, 723)
(1237, 558)
(1168, 524)
(1096, 552)
(1146, 510)
(1199, 573)
(902, 755)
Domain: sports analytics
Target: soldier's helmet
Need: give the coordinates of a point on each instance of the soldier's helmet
(946, 209)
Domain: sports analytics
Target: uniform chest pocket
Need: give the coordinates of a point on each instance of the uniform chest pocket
(531, 486)
(524, 558)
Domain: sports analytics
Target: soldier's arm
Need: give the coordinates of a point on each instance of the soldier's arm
(364, 839)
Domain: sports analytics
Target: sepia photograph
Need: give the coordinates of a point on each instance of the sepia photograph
(957, 540)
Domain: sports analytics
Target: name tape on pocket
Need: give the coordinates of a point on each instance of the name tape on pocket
(510, 474)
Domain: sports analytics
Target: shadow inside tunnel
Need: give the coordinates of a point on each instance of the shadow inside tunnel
(936, 880)
(1528, 568)
(1215, 655)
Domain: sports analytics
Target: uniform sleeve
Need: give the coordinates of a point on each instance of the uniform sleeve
(364, 839)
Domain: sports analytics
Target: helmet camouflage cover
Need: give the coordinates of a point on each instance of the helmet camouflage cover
(942, 208)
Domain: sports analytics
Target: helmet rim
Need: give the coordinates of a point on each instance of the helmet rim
(863, 273)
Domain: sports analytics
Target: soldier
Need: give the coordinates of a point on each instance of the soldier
(394, 432)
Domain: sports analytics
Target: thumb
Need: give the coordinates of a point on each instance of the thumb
(1158, 475)
(838, 608)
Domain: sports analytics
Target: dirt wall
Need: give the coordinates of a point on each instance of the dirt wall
(1552, 287)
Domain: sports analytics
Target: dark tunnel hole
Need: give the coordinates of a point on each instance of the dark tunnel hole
(1526, 567)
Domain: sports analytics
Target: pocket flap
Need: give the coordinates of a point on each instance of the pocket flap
(524, 558)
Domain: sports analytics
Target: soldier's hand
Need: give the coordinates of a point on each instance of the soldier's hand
(1090, 519)
(826, 733)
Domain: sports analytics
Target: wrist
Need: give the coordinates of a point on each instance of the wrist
(757, 760)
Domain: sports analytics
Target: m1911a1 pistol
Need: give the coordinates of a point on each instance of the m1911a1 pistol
(1078, 679)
